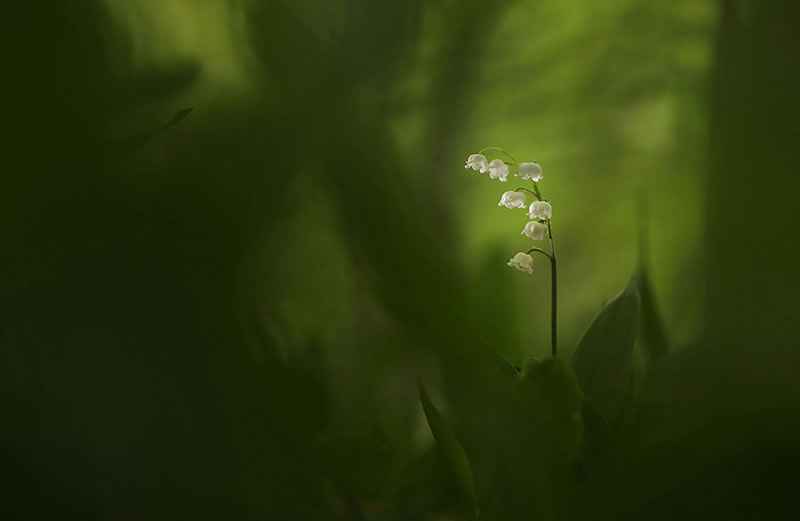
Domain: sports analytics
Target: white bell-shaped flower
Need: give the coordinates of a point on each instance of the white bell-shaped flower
(535, 230)
(522, 261)
(512, 200)
(540, 210)
(530, 171)
(477, 162)
(498, 170)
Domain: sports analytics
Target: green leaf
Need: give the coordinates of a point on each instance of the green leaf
(653, 334)
(547, 404)
(597, 436)
(357, 464)
(653, 340)
(177, 117)
(128, 145)
(453, 453)
(603, 359)
(596, 430)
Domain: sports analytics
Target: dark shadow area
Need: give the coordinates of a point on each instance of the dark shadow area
(219, 289)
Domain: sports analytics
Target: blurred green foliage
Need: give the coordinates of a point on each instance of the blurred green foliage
(225, 318)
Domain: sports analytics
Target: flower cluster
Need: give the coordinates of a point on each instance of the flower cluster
(539, 212)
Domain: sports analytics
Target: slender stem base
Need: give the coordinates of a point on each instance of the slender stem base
(554, 289)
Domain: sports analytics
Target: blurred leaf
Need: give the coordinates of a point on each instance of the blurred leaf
(358, 464)
(603, 359)
(452, 451)
(129, 145)
(155, 83)
(597, 435)
(177, 117)
(421, 485)
(548, 403)
(653, 334)
(536, 442)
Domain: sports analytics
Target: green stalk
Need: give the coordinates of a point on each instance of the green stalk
(498, 149)
(553, 281)
(539, 250)
(523, 189)
(554, 286)
(538, 194)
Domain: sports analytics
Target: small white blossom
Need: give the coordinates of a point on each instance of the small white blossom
(530, 171)
(512, 200)
(477, 162)
(522, 261)
(535, 230)
(498, 170)
(540, 210)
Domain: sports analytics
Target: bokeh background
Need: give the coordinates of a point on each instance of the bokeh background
(188, 307)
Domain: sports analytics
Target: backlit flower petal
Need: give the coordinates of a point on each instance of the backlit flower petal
(530, 171)
(540, 210)
(498, 170)
(535, 230)
(522, 261)
(477, 162)
(512, 200)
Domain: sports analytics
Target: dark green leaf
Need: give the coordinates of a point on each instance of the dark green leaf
(603, 359)
(155, 84)
(597, 437)
(547, 404)
(596, 425)
(127, 146)
(452, 451)
(357, 464)
(653, 334)
(177, 117)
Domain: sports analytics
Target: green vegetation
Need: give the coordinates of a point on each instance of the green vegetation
(236, 234)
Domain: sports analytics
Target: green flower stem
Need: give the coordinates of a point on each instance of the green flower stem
(554, 286)
(523, 189)
(554, 280)
(537, 193)
(539, 250)
(498, 149)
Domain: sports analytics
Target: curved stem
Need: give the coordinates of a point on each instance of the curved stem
(554, 287)
(523, 189)
(499, 150)
(539, 250)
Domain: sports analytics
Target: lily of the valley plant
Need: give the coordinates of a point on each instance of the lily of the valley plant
(539, 213)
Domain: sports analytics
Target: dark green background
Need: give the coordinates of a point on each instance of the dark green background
(185, 312)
